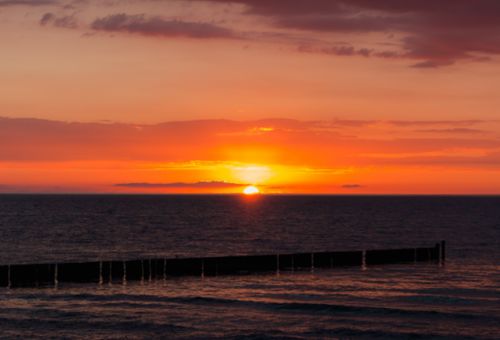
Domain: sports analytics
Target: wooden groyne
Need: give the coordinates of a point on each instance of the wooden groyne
(100, 272)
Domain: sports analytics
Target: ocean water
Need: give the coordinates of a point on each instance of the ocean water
(460, 300)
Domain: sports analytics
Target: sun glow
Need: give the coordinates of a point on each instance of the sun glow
(251, 173)
(251, 190)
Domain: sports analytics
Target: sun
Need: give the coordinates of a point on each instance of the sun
(251, 190)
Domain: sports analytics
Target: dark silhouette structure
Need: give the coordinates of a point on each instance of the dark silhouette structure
(34, 275)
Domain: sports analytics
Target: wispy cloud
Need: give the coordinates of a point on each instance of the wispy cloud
(66, 21)
(183, 185)
(157, 26)
(452, 131)
(7, 3)
(458, 122)
(352, 186)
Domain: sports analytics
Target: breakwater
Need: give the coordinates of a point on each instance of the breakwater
(100, 272)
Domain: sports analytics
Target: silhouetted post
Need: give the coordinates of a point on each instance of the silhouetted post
(443, 251)
(363, 260)
(150, 272)
(110, 282)
(202, 269)
(278, 264)
(312, 262)
(164, 269)
(101, 280)
(56, 279)
(124, 280)
(36, 277)
(142, 272)
(8, 277)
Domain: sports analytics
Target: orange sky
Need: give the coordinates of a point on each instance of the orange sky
(336, 96)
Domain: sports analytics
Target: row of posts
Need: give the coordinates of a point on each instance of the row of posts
(440, 248)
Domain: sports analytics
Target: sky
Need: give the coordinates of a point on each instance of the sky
(209, 96)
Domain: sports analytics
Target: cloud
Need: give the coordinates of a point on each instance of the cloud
(182, 185)
(489, 160)
(196, 156)
(433, 63)
(452, 131)
(434, 33)
(7, 3)
(313, 144)
(342, 50)
(465, 122)
(352, 186)
(430, 34)
(67, 21)
(156, 26)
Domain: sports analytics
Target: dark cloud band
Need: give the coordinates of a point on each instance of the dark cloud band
(434, 33)
(156, 26)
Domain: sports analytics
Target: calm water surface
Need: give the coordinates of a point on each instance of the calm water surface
(458, 300)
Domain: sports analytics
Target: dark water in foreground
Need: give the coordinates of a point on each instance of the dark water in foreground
(459, 300)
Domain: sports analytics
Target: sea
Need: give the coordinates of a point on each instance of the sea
(457, 300)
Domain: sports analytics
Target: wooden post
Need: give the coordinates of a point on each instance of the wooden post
(100, 273)
(363, 260)
(164, 269)
(56, 279)
(9, 282)
(150, 272)
(312, 262)
(124, 280)
(443, 251)
(142, 272)
(110, 282)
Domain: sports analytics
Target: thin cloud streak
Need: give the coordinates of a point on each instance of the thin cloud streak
(157, 26)
(453, 131)
(8, 3)
(183, 185)
(352, 186)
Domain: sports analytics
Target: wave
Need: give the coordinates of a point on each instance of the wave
(151, 301)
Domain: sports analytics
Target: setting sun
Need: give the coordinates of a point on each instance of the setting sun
(251, 190)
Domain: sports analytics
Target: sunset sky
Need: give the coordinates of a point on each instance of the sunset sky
(209, 96)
